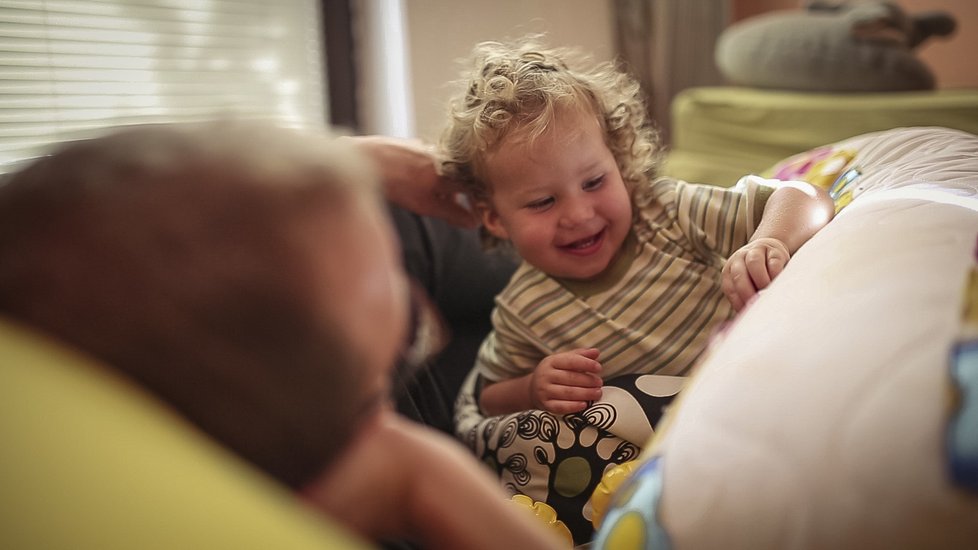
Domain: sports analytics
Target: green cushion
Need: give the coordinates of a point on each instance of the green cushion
(91, 462)
(722, 133)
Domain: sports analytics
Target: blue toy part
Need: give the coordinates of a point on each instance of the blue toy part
(844, 182)
(962, 434)
(632, 522)
(842, 188)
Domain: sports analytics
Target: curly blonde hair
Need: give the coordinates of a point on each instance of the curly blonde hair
(519, 87)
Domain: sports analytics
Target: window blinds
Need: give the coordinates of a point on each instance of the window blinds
(69, 68)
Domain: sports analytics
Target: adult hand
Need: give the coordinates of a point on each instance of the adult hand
(409, 171)
(400, 480)
(564, 382)
(361, 488)
(752, 268)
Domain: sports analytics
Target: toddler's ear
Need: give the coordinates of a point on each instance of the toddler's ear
(491, 221)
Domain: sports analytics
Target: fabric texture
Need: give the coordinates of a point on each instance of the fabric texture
(721, 133)
(559, 459)
(841, 400)
(462, 279)
(93, 462)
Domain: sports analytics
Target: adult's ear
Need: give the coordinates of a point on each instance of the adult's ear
(491, 221)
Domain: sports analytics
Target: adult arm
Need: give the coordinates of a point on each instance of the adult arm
(401, 480)
(410, 179)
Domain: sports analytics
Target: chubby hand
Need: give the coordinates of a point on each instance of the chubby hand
(752, 268)
(564, 382)
(409, 171)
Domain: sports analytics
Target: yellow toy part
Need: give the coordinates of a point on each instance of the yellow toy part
(829, 167)
(546, 514)
(821, 166)
(632, 521)
(612, 479)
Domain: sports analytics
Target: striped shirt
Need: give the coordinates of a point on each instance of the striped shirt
(653, 310)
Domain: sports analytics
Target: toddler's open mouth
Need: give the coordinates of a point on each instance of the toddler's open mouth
(585, 245)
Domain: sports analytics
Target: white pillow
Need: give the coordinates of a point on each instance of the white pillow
(820, 418)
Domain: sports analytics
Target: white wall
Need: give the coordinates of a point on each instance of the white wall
(440, 32)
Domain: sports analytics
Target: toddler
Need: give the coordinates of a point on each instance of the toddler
(622, 272)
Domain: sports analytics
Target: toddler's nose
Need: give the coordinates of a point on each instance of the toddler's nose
(577, 211)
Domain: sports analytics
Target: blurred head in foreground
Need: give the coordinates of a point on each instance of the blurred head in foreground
(245, 274)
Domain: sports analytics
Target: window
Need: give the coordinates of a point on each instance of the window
(71, 67)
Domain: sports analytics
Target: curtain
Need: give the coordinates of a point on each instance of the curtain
(668, 45)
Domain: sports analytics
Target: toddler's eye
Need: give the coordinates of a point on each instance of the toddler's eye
(540, 204)
(593, 184)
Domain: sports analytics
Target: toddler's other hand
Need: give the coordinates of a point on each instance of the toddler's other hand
(752, 268)
(564, 382)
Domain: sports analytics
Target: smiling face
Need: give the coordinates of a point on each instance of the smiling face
(559, 198)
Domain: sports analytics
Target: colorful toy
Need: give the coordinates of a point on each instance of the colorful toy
(962, 437)
(829, 167)
(546, 514)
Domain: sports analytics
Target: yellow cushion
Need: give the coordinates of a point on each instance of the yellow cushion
(90, 462)
(722, 133)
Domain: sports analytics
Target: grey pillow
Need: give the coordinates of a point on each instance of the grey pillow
(854, 50)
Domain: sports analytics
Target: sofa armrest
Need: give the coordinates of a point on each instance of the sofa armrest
(722, 133)
(90, 461)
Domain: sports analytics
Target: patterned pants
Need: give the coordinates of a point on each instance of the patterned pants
(560, 459)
